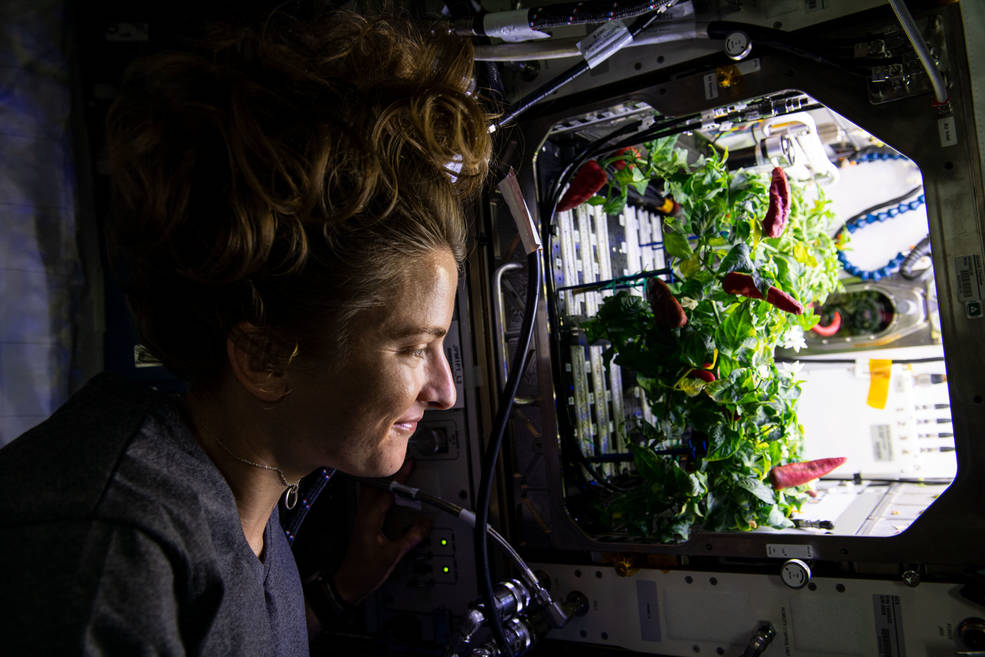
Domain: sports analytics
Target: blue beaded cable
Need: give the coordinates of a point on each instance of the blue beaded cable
(871, 218)
(874, 157)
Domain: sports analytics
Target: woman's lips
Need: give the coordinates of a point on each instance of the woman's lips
(409, 426)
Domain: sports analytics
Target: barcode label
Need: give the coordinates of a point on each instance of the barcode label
(970, 279)
(964, 283)
(889, 625)
(885, 642)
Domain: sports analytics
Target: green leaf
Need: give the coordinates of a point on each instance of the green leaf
(778, 519)
(691, 266)
(625, 176)
(737, 259)
(647, 463)
(699, 484)
(761, 283)
(615, 204)
(596, 200)
(677, 245)
(690, 386)
(758, 489)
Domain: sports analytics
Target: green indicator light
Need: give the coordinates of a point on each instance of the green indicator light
(446, 569)
(444, 541)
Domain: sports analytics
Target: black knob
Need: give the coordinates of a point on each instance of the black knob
(971, 632)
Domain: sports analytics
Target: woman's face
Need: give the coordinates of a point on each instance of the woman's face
(358, 412)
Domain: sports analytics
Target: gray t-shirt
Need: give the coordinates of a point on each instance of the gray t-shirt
(121, 537)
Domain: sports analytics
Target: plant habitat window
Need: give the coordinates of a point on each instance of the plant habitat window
(748, 328)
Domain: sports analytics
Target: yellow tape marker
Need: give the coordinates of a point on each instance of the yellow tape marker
(879, 370)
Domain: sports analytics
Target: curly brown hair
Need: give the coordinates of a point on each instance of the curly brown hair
(285, 175)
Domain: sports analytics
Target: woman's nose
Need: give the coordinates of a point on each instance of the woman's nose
(439, 390)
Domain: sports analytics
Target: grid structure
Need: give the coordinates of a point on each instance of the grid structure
(591, 250)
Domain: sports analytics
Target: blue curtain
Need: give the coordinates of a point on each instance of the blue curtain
(41, 277)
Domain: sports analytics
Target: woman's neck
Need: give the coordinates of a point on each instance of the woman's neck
(238, 447)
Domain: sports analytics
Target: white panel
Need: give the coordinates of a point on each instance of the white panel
(709, 613)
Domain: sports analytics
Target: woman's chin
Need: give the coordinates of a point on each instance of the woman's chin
(385, 464)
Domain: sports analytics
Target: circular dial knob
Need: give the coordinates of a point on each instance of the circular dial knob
(795, 573)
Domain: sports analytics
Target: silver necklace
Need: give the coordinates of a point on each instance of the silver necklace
(290, 497)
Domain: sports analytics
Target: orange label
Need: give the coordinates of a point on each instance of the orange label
(879, 371)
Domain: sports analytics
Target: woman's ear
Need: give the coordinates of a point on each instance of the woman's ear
(259, 359)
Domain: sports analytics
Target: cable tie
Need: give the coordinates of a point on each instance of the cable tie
(400, 489)
(467, 517)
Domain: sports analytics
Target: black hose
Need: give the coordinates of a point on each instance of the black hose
(884, 204)
(906, 267)
(491, 455)
(791, 43)
(545, 90)
(580, 13)
(460, 512)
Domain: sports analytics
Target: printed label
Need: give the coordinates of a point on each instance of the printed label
(970, 281)
(789, 551)
(749, 66)
(603, 42)
(646, 599)
(711, 86)
(882, 442)
(889, 625)
(947, 131)
(511, 26)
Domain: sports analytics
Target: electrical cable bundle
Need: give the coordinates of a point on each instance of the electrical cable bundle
(518, 365)
(581, 67)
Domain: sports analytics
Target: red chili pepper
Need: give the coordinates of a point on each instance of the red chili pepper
(780, 299)
(667, 311)
(621, 164)
(704, 375)
(589, 179)
(795, 474)
(779, 210)
(744, 285)
(827, 330)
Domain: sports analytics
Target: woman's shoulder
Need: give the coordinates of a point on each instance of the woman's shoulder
(166, 484)
(117, 452)
(66, 461)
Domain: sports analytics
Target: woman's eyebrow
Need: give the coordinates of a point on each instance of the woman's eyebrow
(411, 331)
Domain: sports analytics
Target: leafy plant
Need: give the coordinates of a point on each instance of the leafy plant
(705, 460)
